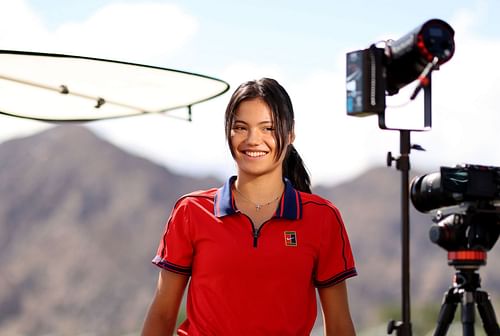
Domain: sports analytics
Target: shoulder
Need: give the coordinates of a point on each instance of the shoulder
(200, 194)
(315, 200)
(315, 204)
(199, 197)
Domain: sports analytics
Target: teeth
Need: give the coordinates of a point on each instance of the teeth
(255, 154)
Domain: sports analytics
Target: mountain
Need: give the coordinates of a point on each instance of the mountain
(80, 220)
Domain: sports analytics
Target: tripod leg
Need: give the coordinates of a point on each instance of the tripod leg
(447, 312)
(468, 314)
(487, 314)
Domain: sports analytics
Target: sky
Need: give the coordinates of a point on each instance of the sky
(302, 44)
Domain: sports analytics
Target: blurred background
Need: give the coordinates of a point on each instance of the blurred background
(83, 206)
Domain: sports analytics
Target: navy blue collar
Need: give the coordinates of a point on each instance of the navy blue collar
(290, 206)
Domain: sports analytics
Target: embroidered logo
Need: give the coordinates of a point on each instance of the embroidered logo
(290, 238)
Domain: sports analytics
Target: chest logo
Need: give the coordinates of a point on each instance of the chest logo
(290, 238)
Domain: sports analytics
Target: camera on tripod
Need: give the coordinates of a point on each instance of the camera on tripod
(468, 233)
(470, 194)
(474, 191)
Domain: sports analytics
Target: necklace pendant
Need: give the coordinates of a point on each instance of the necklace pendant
(257, 207)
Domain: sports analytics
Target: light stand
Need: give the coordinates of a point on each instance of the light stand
(403, 328)
(374, 72)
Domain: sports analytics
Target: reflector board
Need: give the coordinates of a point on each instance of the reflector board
(63, 88)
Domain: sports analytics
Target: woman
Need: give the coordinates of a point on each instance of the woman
(257, 248)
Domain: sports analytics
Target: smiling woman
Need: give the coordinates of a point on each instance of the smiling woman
(252, 140)
(258, 248)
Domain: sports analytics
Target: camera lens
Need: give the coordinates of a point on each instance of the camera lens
(425, 192)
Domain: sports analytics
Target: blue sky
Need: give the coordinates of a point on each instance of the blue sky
(300, 43)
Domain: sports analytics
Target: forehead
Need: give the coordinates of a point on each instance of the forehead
(254, 109)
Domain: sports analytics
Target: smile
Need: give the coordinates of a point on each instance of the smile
(255, 153)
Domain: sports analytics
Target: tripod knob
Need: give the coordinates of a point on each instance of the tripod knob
(393, 325)
(389, 159)
(417, 147)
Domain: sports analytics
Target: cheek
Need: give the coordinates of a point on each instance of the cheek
(271, 141)
(232, 142)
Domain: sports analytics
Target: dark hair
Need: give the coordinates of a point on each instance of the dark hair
(280, 104)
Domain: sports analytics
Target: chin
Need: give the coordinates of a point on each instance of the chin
(256, 172)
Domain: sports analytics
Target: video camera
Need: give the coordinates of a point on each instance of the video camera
(455, 185)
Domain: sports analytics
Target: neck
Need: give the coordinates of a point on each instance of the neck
(260, 189)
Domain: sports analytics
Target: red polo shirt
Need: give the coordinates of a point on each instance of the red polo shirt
(254, 282)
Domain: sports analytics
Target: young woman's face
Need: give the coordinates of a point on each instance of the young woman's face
(253, 139)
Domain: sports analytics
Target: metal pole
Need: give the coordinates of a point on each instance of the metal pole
(404, 166)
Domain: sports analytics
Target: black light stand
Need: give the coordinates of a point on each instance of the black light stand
(373, 73)
(403, 164)
(403, 328)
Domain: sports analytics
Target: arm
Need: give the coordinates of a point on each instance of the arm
(336, 316)
(162, 315)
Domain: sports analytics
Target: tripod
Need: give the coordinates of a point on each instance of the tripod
(465, 290)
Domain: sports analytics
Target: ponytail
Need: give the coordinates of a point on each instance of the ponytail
(295, 170)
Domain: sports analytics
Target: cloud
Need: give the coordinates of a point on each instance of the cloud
(331, 143)
(20, 27)
(240, 71)
(143, 32)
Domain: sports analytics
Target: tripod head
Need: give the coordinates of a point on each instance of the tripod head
(467, 259)
(468, 234)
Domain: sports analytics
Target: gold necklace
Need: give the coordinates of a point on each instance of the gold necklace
(256, 205)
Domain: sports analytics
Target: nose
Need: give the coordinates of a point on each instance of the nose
(254, 137)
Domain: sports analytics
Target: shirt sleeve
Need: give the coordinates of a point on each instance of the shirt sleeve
(335, 262)
(175, 251)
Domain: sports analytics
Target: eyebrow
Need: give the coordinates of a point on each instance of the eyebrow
(260, 123)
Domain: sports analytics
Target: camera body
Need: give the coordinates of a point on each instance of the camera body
(455, 185)
(475, 190)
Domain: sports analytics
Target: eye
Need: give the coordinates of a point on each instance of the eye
(269, 129)
(238, 128)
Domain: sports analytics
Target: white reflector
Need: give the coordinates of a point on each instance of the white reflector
(59, 88)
